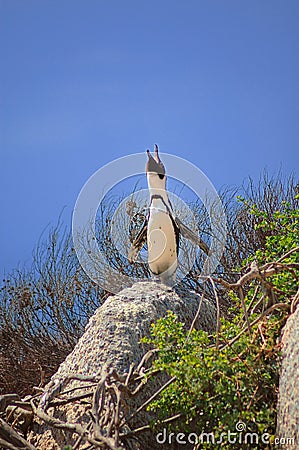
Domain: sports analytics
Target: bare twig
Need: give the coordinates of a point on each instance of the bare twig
(145, 359)
(74, 427)
(129, 374)
(149, 427)
(58, 384)
(148, 401)
(98, 402)
(295, 301)
(267, 270)
(75, 398)
(286, 255)
(7, 445)
(265, 313)
(117, 414)
(241, 296)
(196, 315)
(8, 434)
(6, 399)
(218, 312)
(80, 438)
(253, 297)
(256, 306)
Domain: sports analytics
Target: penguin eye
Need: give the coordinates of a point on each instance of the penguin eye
(161, 176)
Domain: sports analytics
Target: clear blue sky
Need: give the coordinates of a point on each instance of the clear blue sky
(85, 81)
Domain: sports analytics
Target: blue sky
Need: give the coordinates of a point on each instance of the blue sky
(85, 81)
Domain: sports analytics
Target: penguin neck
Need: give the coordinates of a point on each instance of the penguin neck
(159, 199)
(158, 195)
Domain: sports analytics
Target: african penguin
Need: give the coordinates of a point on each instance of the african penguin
(161, 229)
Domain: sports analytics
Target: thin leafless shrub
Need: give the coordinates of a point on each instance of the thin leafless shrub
(43, 312)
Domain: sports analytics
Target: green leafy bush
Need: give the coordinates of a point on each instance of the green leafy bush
(231, 377)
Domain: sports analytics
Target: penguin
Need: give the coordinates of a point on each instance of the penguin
(161, 229)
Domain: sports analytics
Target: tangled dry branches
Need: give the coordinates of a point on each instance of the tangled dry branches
(105, 394)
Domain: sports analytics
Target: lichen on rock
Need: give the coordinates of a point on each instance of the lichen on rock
(288, 404)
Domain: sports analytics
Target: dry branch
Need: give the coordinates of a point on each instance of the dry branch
(115, 400)
(100, 393)
(10, 436)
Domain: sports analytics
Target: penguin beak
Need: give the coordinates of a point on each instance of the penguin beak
(156, 155)
(154, 164)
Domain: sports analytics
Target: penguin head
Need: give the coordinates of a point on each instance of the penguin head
(155, 170)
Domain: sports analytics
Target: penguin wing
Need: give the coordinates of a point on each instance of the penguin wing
(191, 236)
(138, 243)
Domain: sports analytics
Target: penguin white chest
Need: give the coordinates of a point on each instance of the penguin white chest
(161, 242)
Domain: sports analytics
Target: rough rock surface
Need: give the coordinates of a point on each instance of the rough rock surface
(288, 405)
(112, 337)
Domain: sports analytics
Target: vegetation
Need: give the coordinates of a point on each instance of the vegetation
(221, 388)
(228, 382)
(217, 381)
(42, 313)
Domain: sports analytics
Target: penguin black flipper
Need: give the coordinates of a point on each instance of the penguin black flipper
(138, 243)
(191, 236)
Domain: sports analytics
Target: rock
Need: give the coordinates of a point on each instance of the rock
(112, 340)
(288, 403)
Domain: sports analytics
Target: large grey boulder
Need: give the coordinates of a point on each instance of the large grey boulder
(288, 404)
(112, 341)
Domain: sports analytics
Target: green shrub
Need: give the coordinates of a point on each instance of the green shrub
(231, 377)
